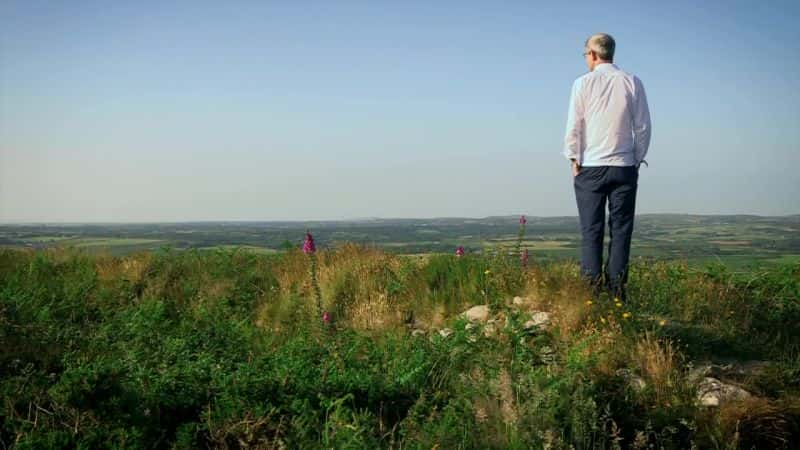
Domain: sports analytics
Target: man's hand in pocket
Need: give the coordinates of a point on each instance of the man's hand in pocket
(575, 168)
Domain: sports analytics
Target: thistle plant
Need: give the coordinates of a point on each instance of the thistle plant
(521, 232)
(520, 237)
(311, 250)
(460, 251)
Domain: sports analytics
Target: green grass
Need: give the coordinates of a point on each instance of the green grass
(785, 259)
(248, 248)
(112, 242)
(534, 245)
(222, 348)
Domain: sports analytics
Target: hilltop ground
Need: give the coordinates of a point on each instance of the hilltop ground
(226, 349)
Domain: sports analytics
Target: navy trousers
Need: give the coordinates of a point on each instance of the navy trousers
(594, 187)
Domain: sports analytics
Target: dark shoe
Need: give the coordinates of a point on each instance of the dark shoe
(615, 286)
(618, 292)
(596, 286)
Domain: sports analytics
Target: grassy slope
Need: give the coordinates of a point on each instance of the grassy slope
(223, 349)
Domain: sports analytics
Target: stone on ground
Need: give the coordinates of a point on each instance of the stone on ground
(712, 392)
(478, 313)
(539, 319)
(445, 332)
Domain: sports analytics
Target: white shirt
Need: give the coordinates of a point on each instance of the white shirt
(608, 123)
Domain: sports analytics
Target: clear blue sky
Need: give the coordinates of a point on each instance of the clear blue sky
(142, 111)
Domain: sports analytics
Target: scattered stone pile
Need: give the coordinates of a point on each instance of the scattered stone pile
(716, 384)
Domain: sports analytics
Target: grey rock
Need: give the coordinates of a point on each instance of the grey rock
(539, 319)
(478, 313)
(735, 370)
(713, 392)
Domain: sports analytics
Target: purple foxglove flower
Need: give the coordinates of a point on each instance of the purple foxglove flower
(308, 244)
(460, 251)
(523, 220)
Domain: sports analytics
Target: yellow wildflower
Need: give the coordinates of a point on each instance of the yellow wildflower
(602, 320)
(487, 272)
(662, 322)
(589, 302)
(618, 305)
(625, 315)
(616, 300)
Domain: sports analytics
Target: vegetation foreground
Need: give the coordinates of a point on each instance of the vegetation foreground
(226, 349)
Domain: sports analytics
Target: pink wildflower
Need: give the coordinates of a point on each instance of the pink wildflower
(308, 244)
(460, 251)
(523, 220)
(326, 317)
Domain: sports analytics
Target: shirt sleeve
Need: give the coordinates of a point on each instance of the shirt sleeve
(573, 141)
(641, 122)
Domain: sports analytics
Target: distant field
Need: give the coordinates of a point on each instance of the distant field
(89, 241)
(248, 248)
(786, 259)
(532, 244)
(110, 242)
(738, 241)
(44, 239)
(89, 244)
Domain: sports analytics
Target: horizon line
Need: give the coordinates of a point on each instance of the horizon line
(364, 219)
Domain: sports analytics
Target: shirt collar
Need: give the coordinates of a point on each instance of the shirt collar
(606, 66)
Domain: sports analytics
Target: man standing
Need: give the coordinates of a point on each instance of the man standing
(608, 134)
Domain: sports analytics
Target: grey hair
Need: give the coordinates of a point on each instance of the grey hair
(602, 44)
